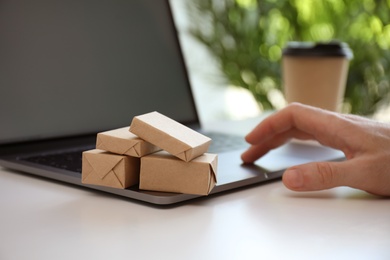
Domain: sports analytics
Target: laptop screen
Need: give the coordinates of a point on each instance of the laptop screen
(79, 67)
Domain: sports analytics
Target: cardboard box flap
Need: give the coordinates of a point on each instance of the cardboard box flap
(212, 160)
(102, 167)
(212, 182)
(121, 141)
(213, 167)
(107, 169)
(136, 149)
(173, 137)
(189, 154)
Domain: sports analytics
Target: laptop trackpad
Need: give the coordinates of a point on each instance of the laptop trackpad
(295, 153)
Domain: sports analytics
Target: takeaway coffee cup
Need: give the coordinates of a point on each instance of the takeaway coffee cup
(316, 73)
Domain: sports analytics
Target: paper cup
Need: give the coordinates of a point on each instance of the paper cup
(316, 74)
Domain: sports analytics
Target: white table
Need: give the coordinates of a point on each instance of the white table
(42, 219)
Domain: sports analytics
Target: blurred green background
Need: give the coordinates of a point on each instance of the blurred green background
(246, 37)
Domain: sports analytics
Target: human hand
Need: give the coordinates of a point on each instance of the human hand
(365, 143)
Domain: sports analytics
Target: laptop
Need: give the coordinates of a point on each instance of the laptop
(71, 69)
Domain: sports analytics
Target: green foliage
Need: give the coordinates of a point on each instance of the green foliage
(247, 37)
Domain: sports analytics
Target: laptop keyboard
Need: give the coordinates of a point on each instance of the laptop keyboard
(225, 142)
(72, 161)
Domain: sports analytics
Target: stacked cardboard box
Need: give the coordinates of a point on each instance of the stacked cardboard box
(116, 160)
(184, 166)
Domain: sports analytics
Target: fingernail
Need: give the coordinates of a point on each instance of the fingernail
(293, 179)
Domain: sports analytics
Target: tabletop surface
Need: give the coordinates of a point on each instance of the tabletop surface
(42, 219)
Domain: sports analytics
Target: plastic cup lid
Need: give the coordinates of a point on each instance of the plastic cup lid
(311, 49)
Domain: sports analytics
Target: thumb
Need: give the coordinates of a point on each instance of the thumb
(315, 176)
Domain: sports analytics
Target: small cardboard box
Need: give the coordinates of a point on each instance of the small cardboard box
(173, 137)
(121, 141)
(162, 171)
(107, 169)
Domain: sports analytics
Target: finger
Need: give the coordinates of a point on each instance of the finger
(320, 124)
(257, 151)
(253, 153)
(357, 174)
(314, 176)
